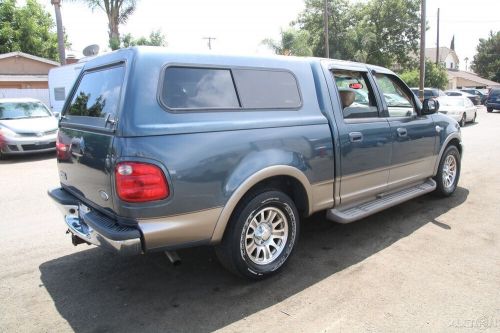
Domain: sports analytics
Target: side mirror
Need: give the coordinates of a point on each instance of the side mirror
(430, 106)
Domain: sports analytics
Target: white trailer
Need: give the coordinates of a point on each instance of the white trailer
(61, 80)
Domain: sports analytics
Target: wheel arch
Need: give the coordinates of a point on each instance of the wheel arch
(453, 139)
(289, 179)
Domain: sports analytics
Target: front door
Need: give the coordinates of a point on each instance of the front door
(414, 136)
(365, 138)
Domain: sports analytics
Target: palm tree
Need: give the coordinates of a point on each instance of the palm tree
(60, 32)
(292, 42)
(118, 12)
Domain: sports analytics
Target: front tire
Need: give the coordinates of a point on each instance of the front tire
(448, 172)
(462, 121)
(489, 109)
(261, 235)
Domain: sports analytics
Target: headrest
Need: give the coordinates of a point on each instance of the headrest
(347, 97)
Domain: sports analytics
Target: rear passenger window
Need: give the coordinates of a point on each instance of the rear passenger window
(97, 96)
(356, 94)
(267, 89)
(199, 88)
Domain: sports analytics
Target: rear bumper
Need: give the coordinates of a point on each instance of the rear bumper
(94, 227)
(492, 105)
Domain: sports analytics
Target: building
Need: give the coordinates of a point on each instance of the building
(20, 70)
(462, 79)
(25, 75)
(447, 57)
(456, 78)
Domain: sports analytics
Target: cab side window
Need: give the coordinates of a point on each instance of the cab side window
(356, 94)
(399, 103)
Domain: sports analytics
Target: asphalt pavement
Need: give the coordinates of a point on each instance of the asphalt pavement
(429, 264)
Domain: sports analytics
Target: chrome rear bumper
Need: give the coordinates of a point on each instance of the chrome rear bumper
(95, 228)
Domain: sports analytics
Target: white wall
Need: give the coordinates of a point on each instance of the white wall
(41, 94)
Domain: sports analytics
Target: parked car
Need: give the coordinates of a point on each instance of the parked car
(172, 150)
(26, 126)
(477, 92)
(493, 100)
(459, 108)
(429, 92)
(476, 100)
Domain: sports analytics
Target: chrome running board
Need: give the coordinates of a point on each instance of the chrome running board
(355, 213)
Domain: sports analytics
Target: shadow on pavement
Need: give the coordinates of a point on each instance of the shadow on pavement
(99, 291)
(13, 159)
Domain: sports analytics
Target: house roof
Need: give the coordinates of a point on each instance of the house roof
(28, 56)
(430, 53)
(24, 78)
(471, 79)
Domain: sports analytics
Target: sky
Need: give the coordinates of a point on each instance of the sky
(239, 26)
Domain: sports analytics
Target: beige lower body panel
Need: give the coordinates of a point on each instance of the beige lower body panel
(322, 196)
(179, 230)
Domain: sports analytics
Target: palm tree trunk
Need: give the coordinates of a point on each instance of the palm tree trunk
(60, 33)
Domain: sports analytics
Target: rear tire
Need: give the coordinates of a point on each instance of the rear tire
(474, 119)
(448, 172)
(489, 109)
(261, 235)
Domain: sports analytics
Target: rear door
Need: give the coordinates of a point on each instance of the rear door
(86, 135)
(414, 136)
(365, 137)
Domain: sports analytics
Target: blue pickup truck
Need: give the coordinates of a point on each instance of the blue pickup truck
(159, 151)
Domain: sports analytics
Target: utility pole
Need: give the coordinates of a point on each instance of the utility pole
(325, 28)
(210, 41)
(422, 52)
(437, 41)
(60, 33)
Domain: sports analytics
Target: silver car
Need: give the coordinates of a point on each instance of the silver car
(26, 126)
(459, 108)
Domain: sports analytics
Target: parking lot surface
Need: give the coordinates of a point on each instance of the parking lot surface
(426, 265)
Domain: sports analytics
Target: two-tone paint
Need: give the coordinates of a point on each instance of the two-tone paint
(212, 158)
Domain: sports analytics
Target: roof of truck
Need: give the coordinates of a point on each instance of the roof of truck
(207, 58)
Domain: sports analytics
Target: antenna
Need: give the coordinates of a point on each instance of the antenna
(210, 39)
(91, 50)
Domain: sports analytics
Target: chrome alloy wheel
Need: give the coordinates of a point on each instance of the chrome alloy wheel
(449, 171)
(266, 235)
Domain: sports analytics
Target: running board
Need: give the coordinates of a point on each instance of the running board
(382, 202)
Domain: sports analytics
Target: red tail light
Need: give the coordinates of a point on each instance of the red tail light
(61, 148)
(140, 182)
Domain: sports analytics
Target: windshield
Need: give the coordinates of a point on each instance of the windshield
(20, 110)
(447, 101)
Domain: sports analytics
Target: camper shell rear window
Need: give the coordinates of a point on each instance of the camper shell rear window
(186, 88)
(96, 99)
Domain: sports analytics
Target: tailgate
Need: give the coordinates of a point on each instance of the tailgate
(86, 132)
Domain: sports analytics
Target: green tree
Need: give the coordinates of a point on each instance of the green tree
(118, 12)
(292, 42)
(156, 38)
(387, 32)
(379, 32)
(27, 29)
(435, 76)
(340, 26)
(487, 60)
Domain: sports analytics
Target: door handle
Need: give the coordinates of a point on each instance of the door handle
(355, 136)
(402, 132)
